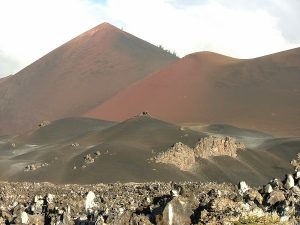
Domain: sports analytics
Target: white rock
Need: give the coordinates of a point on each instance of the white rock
(268, 188)
(89, 202)
(148, 199)
(296, 190)
(100, 220)
(37, 198)
(175, 193)
(284, 218)
(121, 210)
(13, 205)
(297, 175)
(289, 183)
(243, 187)
(50, 198)
(24, 218)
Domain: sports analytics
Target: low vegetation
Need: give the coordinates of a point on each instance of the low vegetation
(167, 50)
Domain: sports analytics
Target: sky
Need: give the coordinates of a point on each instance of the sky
(238, 28)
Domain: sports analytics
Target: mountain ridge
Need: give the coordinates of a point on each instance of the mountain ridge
(211, 88)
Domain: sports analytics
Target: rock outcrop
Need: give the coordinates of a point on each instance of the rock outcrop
(217, 146)
(184, 157)
(35, 166)
(179, 155)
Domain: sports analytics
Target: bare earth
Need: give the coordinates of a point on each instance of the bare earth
(261, 94)
(82, 150)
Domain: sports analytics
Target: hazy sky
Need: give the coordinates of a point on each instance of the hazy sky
(240, 28)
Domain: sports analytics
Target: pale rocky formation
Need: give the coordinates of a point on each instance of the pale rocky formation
(35, 166)
(184, 157)
(179, 155)
(75, 144)
(44, 123)
(217, 146)
(89, 159)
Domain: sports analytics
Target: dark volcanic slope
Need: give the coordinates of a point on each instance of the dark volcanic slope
(261, 93)
(125, 149)
(61, 130)
(76, 77)
(121, 152)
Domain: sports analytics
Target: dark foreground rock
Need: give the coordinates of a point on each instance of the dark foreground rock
(151, 203)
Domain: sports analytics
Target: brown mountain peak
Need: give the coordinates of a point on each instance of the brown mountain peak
(76, 77)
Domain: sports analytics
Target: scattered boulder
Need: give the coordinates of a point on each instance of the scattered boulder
(220, 204)
(149, 203)
(49, 198)
(89, 159)
(296, 191)
(176, 190)
(13, 145)
(275, 197)
(89, 202)
(254, 196)
(243, 187)
(44, 123)
(35, 166)
(289, 181)
(24, 218)
(268, 189)
(276, 184)
(177, 212)
(75, 144)
(297, 175)
(296, 162)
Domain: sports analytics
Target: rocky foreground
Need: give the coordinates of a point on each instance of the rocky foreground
(278, 202)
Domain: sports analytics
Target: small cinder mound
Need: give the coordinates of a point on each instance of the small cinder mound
(178, 155)
(217, 146)
(144, 113)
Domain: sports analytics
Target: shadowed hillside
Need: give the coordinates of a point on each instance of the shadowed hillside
(79, 150)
